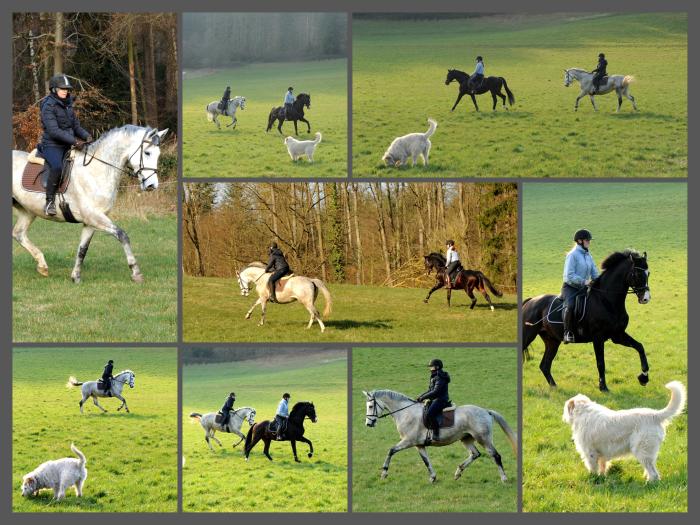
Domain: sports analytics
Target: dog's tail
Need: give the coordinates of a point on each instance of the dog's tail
(72, 381)
(196, 415)
(80, 455)
(318, 137)
(676, 404)
(512, 437)
(326, 295)
(431, 129)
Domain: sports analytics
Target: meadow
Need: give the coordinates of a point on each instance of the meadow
(486, 377)
(222, 481)
(106, 306)
(131, 457)
(650, 217)
(247, 150)
(399, 72)
(214, 310)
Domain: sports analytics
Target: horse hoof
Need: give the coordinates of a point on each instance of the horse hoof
(643, 379)
(260, 323)
(137, 278)
(76, 279)
(247, 316)
(297, 460)
(310, 454)
(425, 301)
(432, 479)
(492, 308)
(384, 474)
(43, 270)
(604, 388)
(458, 474)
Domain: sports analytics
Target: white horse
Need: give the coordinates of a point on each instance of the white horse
(210, 426)
(471, 423)
(213, 111)
(89, 389)
(93, 189)
(618, 83)
(295, 288)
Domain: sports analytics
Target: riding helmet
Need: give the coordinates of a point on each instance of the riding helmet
(449, 242)
(601, 55)
(290, 88)
(286, 395)
(110, 362)
(435, 362)
(583, 235)
(59, 82)
(273, 245)
(479, 59)
(232, 394)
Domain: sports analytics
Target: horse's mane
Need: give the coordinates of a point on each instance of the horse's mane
(128, 129)
(258, 264)
(396, 396)
(298, 405)
(615, 258)
(127, 371)
(436, 255)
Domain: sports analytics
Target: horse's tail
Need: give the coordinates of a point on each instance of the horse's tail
(210, 116)
(511, 97)
(506, 430)
(196, 415)
(526, 349)
(72, 381)
(318, 137)
(248, 439)
(493, 289)
(81, 456)
(627, 80)
(326, 295)
(431, 129)
(676, 404)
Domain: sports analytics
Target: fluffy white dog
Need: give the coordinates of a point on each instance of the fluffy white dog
(601, 434)
(57, 475)
(299, 148)
(412, 146)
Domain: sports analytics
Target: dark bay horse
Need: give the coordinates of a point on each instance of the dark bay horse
(492, 84)
(605, 315)
(280, 114)
(293, 433)
(466, 280)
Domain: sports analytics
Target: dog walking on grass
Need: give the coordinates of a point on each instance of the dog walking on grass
(299, 148)
(411, 146)
(57, 475)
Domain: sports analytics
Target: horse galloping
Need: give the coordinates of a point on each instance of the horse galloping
(91, 389)
(490, 84)
(617, 83)
(280, 114)
(235, 422)
(213, 111)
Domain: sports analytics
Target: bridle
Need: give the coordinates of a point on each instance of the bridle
(139, 150)
(251, 414)
(377, 415)
(131, 376)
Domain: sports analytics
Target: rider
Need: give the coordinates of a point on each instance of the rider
(279, 266)
(61, 131)
(223, 105)
(282, 415)
(226, 409)
(477, 76)
(437, 393)
(288, 100)
(451, 263)
(579, 271)
(107, 377)
(600, 71)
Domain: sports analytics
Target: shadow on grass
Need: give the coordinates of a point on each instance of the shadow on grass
(348, 324)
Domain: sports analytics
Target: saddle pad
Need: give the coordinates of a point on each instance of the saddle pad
(445, 420)
(555, 311)
(34, 178)
(34, 158)
(100, 385)
(218, 418)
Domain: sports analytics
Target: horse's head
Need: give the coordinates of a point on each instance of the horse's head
(305, 100)
(450, 76)
(127, 377)
(427, 264)
(251, 417)
(568, 78)
(310, 412)
(243, 284)
(374, 409)
(143, 158)
(241, 102)
(638, 278)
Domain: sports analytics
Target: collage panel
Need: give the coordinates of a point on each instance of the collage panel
(470, 465)
(265, 95)
(279, 442)
(354, 262)
(91, 447)
(507, 95)
(101, 263)
(628, 290)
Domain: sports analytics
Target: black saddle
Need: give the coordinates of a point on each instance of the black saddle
(556, 309)
(102, 386)
(445, 420)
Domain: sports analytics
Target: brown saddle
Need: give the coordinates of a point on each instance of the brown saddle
(36, 173)
(279, 285)
(445, 420)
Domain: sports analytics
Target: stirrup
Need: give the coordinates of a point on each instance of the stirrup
(569, 337)
(50, 208)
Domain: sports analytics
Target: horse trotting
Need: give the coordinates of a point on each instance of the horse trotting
(92, 389)
(236, 418)
(213, 111)
(280, 114)
(618, 83)
(489, 84)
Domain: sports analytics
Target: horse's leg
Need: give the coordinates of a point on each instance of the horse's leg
(212, 435)
(493, 96)
(266, 450)
(308, 124)
(241, 435)
(459, 97)
(449, 296)
(401, 445)
(85, 238)
(216, 119)
(599, 349)
(474, 101)
(580, 96)
(296, 131)
(595, 108)
(436, 287)
(294, 450)
(474, 453)
(263, 308)
(101, 222)
(487, 297)
(551, 346)
(207, 436)
(279, 125)
(123, 405)
(470, 293)
(502, 97)
(496, 459)
(630, 98)
(619, 100)
(19, 232)
(627, 340)
(82, 402)
(97, 403)
(426, 461)
(250, 312)
(311, 445)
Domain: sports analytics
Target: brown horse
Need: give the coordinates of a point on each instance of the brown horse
(467, 280)
(293, 433)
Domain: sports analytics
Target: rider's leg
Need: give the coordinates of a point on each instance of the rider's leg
(54, 158)
(568, 294)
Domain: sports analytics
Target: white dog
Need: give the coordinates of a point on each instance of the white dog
(57, 475)
(413, 145)
(299, 148)
(601, 434)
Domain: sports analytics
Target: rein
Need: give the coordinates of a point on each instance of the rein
(376, 402)
(139, 150)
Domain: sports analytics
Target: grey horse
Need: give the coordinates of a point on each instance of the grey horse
(617, 83)
(213, 111)
(89, 389)
(471, 423)
(94, 185)
(210, 426)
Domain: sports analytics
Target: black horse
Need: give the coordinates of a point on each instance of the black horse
(605, 316)
(466, 280)
(492, 84)
(281, 114)
(293, 433)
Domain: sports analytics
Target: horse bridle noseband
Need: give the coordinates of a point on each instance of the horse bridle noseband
(139, 150)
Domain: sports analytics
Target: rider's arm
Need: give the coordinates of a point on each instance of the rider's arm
(570, 275)
(48, 117)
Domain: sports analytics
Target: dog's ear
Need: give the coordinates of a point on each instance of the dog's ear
(570, 405)
(397, 163)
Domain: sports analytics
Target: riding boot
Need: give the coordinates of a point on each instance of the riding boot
(568, 322)
(51, 187)
(436, 433)
(50, 208)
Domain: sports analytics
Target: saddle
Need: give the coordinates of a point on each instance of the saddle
(219, 418)
(36, 173)
(445, 420)
(101, 386)
(603, 81)
(279, 285)
(555, 313)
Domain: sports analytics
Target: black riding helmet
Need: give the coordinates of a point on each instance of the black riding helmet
(110, 362)
(290, 88)
(582, 235)
(232, 394)
(479, 59)
(601, 55)
(436, 363)
(273, 246)
(59, 81)
(286, 395)
(449, 242)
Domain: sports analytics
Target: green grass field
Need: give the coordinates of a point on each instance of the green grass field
(214, 310)
(485, 377)
(399, 71)
(222, 481)
(106, 306)
(131, 458)
(247, 151)
(649, 217)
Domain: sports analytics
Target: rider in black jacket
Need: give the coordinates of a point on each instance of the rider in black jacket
(107, 377)
(279, 266)
(600, 71)
(223, 104)
(437, 393)
(226, 409)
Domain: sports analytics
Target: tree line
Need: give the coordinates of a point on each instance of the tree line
(344, 232)
(230, 39)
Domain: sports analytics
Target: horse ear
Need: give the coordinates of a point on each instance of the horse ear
(162, 134)
(365, 393)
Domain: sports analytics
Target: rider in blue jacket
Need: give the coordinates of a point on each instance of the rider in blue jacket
(579, 271)
(477, 76)
(289, 100)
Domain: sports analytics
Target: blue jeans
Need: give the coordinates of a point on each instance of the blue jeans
(53, 155)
